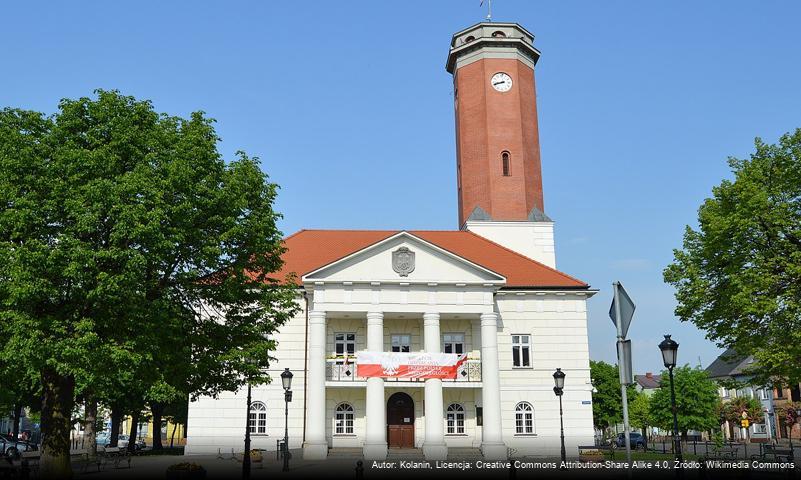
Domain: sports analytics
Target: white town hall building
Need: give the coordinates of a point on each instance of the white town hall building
(434, 339)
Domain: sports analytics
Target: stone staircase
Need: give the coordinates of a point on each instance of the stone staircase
(407, 453)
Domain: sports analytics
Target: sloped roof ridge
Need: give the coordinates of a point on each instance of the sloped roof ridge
(528, 258)
(390, 233)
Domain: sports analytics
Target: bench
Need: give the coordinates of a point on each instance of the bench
(81, 458)
(114, 455)
(773, 452)
(727, 453)
(595, 452)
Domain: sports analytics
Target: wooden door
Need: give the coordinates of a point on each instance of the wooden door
(400, 421)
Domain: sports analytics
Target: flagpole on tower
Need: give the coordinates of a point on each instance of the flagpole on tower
(489, 9)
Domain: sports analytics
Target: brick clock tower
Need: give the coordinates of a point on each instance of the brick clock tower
(499, 177)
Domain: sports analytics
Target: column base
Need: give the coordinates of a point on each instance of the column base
(315, 451)
(375, 451)
(435, 452)
(494, 451)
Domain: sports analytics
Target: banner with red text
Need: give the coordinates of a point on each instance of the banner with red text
(408, 365)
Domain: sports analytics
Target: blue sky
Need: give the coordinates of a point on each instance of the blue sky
(350, 108)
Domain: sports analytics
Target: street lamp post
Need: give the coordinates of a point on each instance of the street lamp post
(669, 350)
(286, 381)
(558, 389)
(246, 458)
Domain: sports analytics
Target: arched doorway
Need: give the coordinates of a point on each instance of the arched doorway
(400, 421)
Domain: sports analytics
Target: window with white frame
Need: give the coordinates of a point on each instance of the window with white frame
(454, 419)
(524, 419)
(521, 350)
(401, 342)
(343, 419)
(453, 343)
(345, 343)
(257, 421)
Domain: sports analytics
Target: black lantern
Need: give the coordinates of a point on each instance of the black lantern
(669, 350)
(559, 380)
(558, 389)
(286, 379)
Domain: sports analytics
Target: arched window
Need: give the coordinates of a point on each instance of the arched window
(257, 421)
(454, 418)
(524, 419)
(469, 39)
(498, 33)
(343, 419)
(506, 163)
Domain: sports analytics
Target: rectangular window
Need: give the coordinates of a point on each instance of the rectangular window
(401, 343)
(257, 422)
(453, 343)
(521, 350)
(345, 343)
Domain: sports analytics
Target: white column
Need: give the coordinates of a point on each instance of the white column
(434, 447)
(375, 438)
(316, 446)
(492, 446)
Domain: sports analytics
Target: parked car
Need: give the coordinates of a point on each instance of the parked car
(123, 441)
(102, 439)
(636, 439)
(13, 448)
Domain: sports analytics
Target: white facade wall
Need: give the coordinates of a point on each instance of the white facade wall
(558, 329)
(532, 239)
(219, 423)
(555, 320)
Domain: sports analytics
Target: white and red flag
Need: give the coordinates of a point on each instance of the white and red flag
(408, 365)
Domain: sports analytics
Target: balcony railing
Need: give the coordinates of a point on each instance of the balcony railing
(337, 371)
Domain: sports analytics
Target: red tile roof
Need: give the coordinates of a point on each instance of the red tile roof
(308, 250)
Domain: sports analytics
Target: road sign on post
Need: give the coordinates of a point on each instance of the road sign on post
(622, 302)
(624, 362)
(621, 312)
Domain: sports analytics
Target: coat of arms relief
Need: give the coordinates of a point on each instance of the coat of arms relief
(403, 261)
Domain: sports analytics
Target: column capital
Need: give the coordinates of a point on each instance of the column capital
(431, 318)
(489, 319)
(317, 316)
(375, 317)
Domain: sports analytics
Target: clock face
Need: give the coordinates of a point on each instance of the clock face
(501, 82)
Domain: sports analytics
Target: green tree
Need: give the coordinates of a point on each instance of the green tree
(738, 276)
(696, 401)
(607, 402)
(123, 230)
(734, 408)
(640, 412)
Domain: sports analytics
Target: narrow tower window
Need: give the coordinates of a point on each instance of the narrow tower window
(506, 162)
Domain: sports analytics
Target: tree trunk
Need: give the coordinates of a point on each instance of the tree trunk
(89, 426)
(134, 431)
(116, 420)
(156, 409)
(56, 410)
(17, 420)
(172, 437)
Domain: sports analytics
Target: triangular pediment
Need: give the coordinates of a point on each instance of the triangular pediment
(390, 261)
